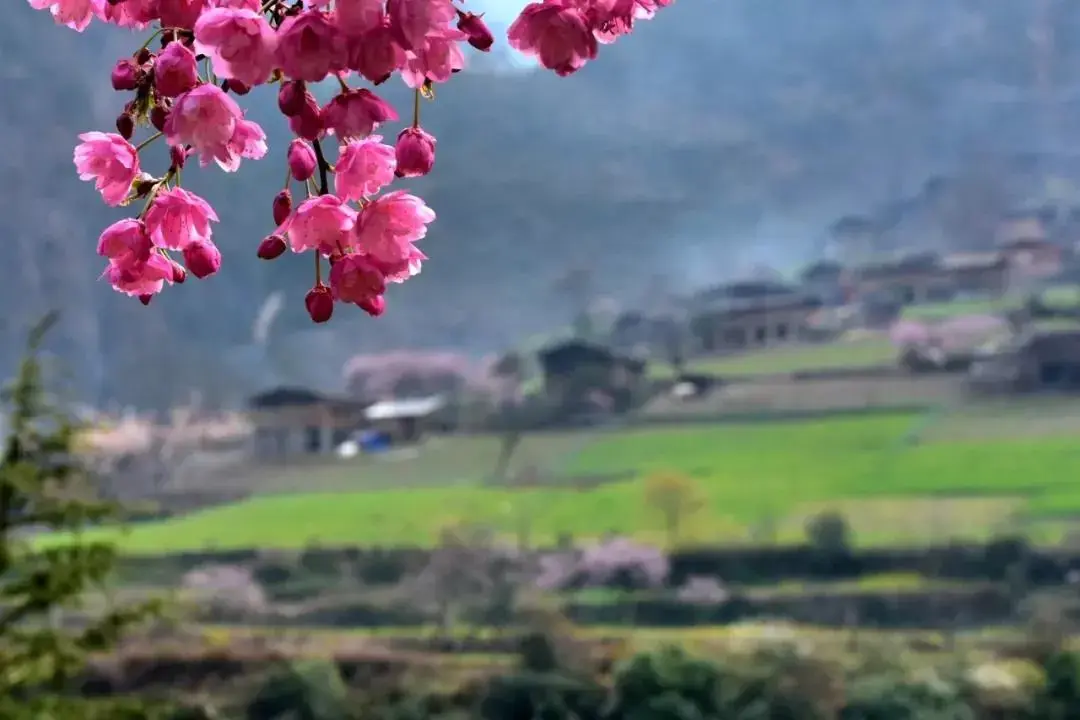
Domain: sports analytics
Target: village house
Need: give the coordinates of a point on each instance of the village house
(576, 370)
(1029, 243)
(976, 273)
(407, 420)
(290, 421)
(749, 314)
(1041, 361)
(908, 280)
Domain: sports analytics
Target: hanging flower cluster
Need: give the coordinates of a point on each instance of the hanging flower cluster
(362, 234)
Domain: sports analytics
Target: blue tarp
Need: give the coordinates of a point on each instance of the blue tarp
(373, 441)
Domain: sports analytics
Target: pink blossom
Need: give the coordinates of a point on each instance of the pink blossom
(240, 43)
(180, 13)
(125, 241)
(439, 57)
(415, 152)
(356, 17)
(373, 306)
(356, 113)
(320, 223)
(355, 278)
(204, 118)
(252, 5)
(75, 14)
(406, 266)
(177, 218)
(301, 159)
(310, 46)
(390, 224)
(375, 54)
(909, 332)
(364, 167)
(131, 14)
(202, 258)
(413, 20)
(139, 278)
(175, 70)
(111, 161)
(248, 141)
(558, 35)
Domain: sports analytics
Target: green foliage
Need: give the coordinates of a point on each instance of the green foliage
(44, 484)
(305, 690)
(828, 533)
(1061, 697)
(888, 697)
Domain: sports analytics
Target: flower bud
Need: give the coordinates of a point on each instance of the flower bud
(302, 161)
(179, 274)
(237, 88)
(373, 306)
(125, 75)
(282, 206)
(480, 36)
(125, 125)
(203, 259)
(158, 116)
(175, 71)
(271, 247)
(145, 299)
(319, 303)
(178, 156)
(415, 152)
(290, 98)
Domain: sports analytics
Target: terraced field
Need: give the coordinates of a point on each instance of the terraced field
(891, 477)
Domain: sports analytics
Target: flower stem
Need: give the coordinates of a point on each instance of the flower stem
(416, 109)
(318, 268)
(324, 168)
(147, 141)
(151, 39)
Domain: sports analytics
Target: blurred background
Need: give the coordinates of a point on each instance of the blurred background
(758, 337)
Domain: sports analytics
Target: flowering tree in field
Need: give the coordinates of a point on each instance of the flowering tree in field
(361, 234)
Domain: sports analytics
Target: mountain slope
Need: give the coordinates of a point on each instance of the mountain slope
(722, 133)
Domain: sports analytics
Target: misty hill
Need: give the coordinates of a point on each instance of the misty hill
(720, 134)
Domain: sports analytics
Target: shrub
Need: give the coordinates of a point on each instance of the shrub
(827, 532)
(306, 690)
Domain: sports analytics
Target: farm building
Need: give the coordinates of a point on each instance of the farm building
(291, 421)
(981, 273)
(576, 369)
(749, 314)
(406, 420)
(911, 279)
(928, 277)
(1045, 361)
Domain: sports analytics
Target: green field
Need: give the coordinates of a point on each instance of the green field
(818, 356)
(765, 475)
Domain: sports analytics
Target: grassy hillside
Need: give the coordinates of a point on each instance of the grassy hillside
(892, 485)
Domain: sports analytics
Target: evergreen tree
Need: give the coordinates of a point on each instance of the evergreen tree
(44, 485)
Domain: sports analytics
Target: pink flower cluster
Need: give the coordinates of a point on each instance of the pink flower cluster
(213, 51)
(563, 35)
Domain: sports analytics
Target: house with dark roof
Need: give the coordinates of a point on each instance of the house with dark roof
(749, 314)
(576, 370)
(1047, 361)
(291, 421)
